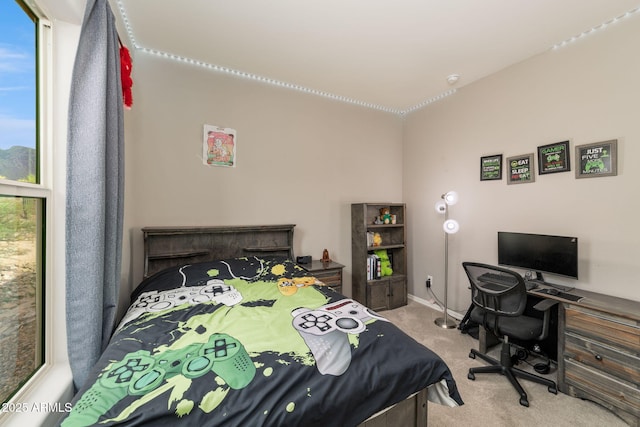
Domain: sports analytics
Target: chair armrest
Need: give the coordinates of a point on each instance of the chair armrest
(544, 307)
(545, 304)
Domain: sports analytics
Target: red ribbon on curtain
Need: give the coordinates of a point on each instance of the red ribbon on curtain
(125, 75)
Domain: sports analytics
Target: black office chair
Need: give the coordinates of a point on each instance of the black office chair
(499, 297)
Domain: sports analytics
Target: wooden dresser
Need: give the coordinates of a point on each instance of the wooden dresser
(599, 340)
(330, 273)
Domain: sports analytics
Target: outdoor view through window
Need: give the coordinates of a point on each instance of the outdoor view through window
(22, 201)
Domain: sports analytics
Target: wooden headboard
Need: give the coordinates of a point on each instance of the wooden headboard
(170, 246)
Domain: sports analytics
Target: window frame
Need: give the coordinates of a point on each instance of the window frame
(42, 399)
(41, 188)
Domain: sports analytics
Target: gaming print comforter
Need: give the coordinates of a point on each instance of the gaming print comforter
(251, 342)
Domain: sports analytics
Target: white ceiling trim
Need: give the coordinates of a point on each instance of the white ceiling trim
(311, 91)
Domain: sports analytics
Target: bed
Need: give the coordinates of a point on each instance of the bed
(225, 329)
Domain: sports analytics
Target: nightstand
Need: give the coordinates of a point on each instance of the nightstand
(329, 273)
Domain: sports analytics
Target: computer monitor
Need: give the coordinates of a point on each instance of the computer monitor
(539, 253)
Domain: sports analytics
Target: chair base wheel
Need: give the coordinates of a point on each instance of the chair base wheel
(524, 402)
(471, 376)
(472, 355)
(553, 390)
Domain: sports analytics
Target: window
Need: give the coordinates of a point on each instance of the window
(20, 291)
(18, 103)
(23, 198)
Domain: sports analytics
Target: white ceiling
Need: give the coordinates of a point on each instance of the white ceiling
(395, 54)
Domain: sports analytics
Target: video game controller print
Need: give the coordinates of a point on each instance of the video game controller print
(153, 301)
(289, 287)
(140, 373)
(324, 331)
(350, 308)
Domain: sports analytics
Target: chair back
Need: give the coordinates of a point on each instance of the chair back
(496, 290)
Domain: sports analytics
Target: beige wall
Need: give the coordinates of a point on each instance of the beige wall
(304, 159)
(301, 159)
(586, 92)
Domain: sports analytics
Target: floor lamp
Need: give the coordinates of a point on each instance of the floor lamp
(450, 226)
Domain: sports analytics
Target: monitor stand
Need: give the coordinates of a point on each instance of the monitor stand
(540, 280)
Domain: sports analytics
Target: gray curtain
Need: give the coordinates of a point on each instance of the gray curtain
(95, 187)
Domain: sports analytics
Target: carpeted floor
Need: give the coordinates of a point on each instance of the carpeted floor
(490, 400)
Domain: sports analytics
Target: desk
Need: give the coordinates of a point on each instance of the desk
(598, 348)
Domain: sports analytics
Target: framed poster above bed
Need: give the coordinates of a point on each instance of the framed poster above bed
(219, 146)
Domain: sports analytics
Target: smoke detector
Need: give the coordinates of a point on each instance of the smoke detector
(453, 79)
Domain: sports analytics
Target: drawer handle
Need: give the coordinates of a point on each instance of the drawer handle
(598, 358)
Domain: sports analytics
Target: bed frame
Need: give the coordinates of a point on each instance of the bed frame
(170, 246)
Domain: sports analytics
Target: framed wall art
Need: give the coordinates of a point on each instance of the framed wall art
(219, 146)
(554, 158)
(598, 159)
(491, 167)
(520, 169)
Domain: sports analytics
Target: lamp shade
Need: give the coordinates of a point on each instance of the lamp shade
(450, 197)
(451, 226)
(441, 207)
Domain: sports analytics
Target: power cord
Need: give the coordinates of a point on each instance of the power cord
(522, 355)
(440, 303)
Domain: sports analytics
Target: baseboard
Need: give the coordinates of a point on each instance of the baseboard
(435, 306)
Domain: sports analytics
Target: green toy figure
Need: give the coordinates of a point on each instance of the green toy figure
(385, 263)
(385, 216)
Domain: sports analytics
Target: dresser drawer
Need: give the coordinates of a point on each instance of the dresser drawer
(603, 357)
(586, 382)
(329, 273)
(605, 327)
(330, 277)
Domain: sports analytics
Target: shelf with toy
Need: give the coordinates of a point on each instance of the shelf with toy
(373, 248)
(386, 235)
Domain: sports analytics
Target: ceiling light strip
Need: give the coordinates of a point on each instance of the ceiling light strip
(600, 27)
(127, 25)
(429, 101)
(273, 82)
(330, 95)
(267, 80)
